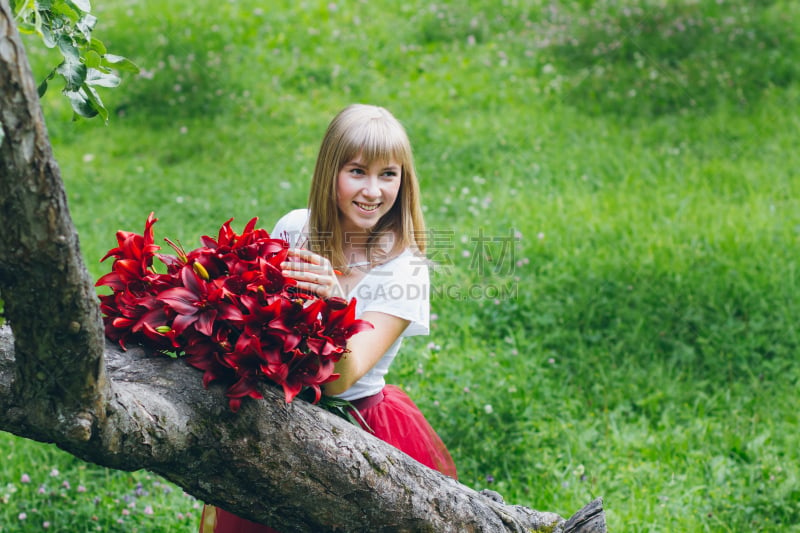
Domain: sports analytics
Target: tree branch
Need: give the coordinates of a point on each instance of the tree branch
(294, 466)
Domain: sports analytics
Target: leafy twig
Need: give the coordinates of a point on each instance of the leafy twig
(67, 25)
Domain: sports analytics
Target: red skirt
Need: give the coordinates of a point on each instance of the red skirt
(394, 419)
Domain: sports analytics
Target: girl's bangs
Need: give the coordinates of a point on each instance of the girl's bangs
(376, 140)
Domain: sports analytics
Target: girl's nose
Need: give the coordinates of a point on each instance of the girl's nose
(371, 189)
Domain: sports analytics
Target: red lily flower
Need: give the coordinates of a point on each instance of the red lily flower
(197, 303)
(339, 325)
(209, 354)
(272, 280)
(137, 250)
(246, 386)
(312, 372)
(129, 315)
(226, 236)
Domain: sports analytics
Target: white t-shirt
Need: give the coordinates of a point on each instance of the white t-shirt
(400, 287)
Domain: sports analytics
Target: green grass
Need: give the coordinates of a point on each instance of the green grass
(616, 230)
(44, 488)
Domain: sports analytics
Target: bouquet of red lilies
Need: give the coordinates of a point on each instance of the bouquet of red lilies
(228, 308)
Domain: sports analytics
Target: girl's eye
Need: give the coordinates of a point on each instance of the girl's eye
(356, 171)
(390, 173)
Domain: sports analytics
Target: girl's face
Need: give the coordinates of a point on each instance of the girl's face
(365, 192)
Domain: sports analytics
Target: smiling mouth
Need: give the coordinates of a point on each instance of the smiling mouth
(367, 207)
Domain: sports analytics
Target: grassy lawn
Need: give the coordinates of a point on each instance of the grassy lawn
(612, 194)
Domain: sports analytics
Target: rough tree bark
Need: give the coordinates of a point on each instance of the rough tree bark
(294, 466)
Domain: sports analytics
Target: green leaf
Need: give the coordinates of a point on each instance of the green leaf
(26, 28)
(74, 74)
(98, 46)
(23, 13)
(83, 5)
(37, 21)
(42, 88)
(68, 49)
(344, 409)
(120, 63)
(96, 102)
(81, 104)
(86, 25)
(66, 9)
(101, 79)
(48, 38)
(92, 59)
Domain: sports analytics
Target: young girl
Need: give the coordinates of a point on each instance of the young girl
(363, 237)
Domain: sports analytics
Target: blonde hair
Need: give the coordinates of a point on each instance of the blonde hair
(374, 134)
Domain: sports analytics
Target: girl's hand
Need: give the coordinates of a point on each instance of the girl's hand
(313, 273)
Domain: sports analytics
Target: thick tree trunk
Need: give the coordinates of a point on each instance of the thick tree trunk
(294, 466)
(49, 298)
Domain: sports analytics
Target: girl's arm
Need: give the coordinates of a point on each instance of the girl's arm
(315, 274)
(365, 350)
